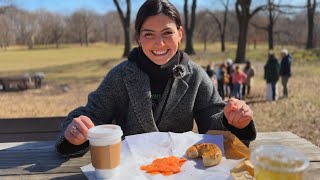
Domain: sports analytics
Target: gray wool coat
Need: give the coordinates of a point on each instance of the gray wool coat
(124, 98)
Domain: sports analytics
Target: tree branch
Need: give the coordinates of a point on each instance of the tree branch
(216, 19)
(128, 12)
(193, 14)
(256, 10)
(259, 27)
(289, 6)
(116, 2)
(186, 15)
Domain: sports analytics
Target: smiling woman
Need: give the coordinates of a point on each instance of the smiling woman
(157, 89)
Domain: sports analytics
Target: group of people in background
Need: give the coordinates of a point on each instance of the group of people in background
(232, 81)
(274, 70)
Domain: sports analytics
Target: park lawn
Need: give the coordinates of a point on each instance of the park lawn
(18, 60)
(76, 71)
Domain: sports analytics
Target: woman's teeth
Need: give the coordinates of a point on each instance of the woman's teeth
(160, 52)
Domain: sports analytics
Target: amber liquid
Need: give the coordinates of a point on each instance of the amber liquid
(105, 157)
(278, 170)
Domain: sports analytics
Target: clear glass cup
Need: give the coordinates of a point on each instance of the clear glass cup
(273, 162)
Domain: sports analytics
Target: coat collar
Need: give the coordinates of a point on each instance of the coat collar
(138, 88)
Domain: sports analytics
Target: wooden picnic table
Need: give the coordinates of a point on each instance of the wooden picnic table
(38, 159)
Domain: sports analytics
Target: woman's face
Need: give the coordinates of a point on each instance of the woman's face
(159, 38)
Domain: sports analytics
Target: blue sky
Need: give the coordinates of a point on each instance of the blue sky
(103, 6)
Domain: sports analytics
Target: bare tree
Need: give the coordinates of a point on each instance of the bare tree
(44, 20)
(189, 27)
(204, 28)
(222, 23)
(112, 28)
(26, 27)
(57, 29)
(5, 31)
(244, 15)
(311, 9)
(125, 20)
(272, 18)
(81, 24)
(75, 29)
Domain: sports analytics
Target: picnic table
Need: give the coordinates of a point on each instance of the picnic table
(38, 159)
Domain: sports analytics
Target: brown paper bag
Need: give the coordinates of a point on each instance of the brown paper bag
(235, 149)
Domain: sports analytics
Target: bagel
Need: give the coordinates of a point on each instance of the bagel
(210, 153)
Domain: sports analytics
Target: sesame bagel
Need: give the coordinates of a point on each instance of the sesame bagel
(210, 153)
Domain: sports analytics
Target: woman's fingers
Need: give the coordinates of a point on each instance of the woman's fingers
(231, 105)
(72, 138)
(83, 123)
(87, 121)
(77, 130)
(238, 113)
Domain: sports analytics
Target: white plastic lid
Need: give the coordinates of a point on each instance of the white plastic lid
(108, 131)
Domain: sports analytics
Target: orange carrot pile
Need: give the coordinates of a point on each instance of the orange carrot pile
(166, 166)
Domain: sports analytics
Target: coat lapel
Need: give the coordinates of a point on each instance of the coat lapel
(178, 89)
(138, 87)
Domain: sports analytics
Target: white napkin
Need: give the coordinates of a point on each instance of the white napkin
(142, 149)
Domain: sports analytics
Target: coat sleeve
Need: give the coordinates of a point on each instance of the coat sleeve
(100, 108)
(209, 113)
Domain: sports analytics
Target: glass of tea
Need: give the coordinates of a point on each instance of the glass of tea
(278, 162)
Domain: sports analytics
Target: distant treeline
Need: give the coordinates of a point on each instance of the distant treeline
(84, 27)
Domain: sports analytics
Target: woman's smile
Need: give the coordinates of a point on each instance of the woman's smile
(160, 53)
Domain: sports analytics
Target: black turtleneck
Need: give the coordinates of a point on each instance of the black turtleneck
(158, 74)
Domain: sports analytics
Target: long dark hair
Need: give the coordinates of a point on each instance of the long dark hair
(155, 7)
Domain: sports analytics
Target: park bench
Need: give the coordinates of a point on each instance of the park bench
(22, 82)
(30, 129)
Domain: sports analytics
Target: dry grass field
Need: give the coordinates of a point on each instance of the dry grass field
(73, 72)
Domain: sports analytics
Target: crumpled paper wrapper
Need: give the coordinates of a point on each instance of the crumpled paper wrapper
(235, 149)
(142, 149)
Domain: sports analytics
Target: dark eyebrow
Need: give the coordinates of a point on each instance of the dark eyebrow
(149, 30)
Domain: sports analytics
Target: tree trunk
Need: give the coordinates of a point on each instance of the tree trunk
(127, 45)
(311, 11)
(205, 45)
(189, 44)
(242, 40)
(86, 36)
(189, 29)
(223, 46)
(270, 36)
(270, 26)
(125, 20)
(243, 16)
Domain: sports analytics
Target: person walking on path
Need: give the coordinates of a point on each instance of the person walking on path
(271, 75)
(220, 79)
(246, 87)
(238, 79)
(285, 71)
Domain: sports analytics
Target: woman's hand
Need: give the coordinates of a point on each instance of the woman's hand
(238, 113)
(77, 130)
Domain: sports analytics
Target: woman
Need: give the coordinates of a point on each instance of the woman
(238, 79)
(157, 89)
(271, 75)
(249, 71)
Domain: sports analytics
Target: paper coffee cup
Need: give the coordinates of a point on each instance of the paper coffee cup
(105, 148)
